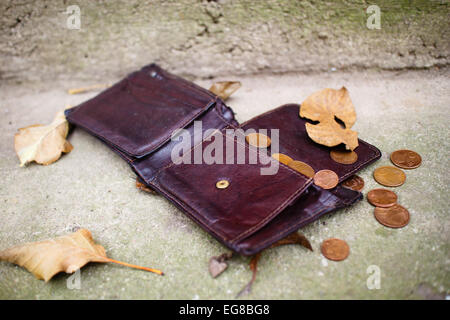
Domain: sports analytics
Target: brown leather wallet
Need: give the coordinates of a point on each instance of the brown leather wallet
(136, 118)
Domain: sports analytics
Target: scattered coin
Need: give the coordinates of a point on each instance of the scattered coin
(326, 179)
(406, 159)
(302, 167)
(284, 159)
(344, 157)
(393, 217)
(354, 182)
(335, 249)
(258, 140)
(389, 176)
(382, 198)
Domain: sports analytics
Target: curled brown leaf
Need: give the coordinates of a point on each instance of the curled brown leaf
(224, 89)
(334, 111)
(43, 144)
(68, 253)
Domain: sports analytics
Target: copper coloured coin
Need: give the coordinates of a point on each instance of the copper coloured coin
(389, 176)
(284, 159)
(343, 157)
(354, 182)
(393, 217)
(382, 198)
(302, 167)
(335, 249)
(406, 159)
(326, 179)
(258, 140)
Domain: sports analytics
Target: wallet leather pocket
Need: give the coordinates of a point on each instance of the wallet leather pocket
(249, 202)
(139, 114)
(295, 142)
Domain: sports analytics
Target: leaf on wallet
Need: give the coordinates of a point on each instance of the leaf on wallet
(68, 253)
(219, 264)
(224, 89)
(43, 144)
(335, 113)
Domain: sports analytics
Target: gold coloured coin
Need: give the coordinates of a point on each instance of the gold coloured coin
(393, 217)
(382, 198)
(335, 249)
(344, 157)
(406, 159)
(354, 182)
(326, 179)
(302, 167)
(258, 140)
(284, 159)
(389, 176)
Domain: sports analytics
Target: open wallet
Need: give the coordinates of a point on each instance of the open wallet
(137, 118)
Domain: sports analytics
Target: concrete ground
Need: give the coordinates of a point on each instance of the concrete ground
(93, 188)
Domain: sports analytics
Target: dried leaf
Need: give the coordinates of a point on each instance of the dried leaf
(43, 144)
(68, 253)
(254, 268)
(219, 264)
(86, 89)
(293, 238)
(329, 106)
(224, 89)
(142, 186)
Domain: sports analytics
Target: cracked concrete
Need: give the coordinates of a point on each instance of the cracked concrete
(210, 38)
(94, 188)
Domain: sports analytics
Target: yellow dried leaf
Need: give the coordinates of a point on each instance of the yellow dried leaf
(86, 89)
(325, 106)
(43, 144)
(224, 89)
(68, 253)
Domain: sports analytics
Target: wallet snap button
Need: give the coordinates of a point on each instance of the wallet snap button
(222, 184)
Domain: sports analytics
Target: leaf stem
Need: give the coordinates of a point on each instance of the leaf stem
(136, 267)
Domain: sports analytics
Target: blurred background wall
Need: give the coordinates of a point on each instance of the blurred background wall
(210, 38)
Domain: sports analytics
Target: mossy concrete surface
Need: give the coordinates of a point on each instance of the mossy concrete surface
(210, 38)
(93, 188)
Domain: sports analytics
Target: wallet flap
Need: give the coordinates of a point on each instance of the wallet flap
(138, 114)
(249, 202)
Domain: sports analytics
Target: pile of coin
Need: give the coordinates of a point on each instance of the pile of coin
(387, 211)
